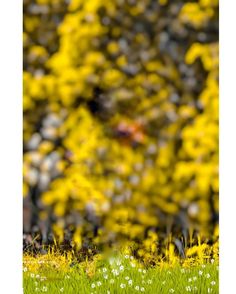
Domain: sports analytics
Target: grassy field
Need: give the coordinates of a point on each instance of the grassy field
(120, 274)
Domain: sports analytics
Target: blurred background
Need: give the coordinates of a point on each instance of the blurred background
(120, 120)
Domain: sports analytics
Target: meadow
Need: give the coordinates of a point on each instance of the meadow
(122, 276)
(118, 273)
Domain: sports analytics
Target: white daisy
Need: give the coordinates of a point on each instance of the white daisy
(188, 289)
(121, 267)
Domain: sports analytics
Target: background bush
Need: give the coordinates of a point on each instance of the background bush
(120, 119)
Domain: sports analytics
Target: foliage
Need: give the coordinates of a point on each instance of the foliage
(120, 120)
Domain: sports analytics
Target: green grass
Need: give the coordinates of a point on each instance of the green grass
(116, 276)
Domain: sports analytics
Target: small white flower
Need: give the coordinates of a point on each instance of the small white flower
(208, 276)
(99, 283)
(163, 283)
(93, 285)
(25, 269)
(131, 257)
(194, 278)
(130, 282)
(142, 289)
(209, 290)
(212, 261)
(203, 266)
(112, 281)
(67, 276)
(188, 289)
(108, 292)
(171, 290)
(213, 283)
(44, 289)
(37, 276)
(105, 277)
(118, 262)
(121, 268)
(127, 278)
(136, 288)
(104, 270)
(115, 272)
(169, 272)
(182, 270)
(200, 273)
(126, 256)
(139, 270)
(149, 282)
(32, 275)
(132, 264)
(144, 271)
(195, 288)
(62, 289)
(190, 280)
(111, 261)
(122, 286)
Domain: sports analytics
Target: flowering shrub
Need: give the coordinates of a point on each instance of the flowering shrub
(120, 120)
